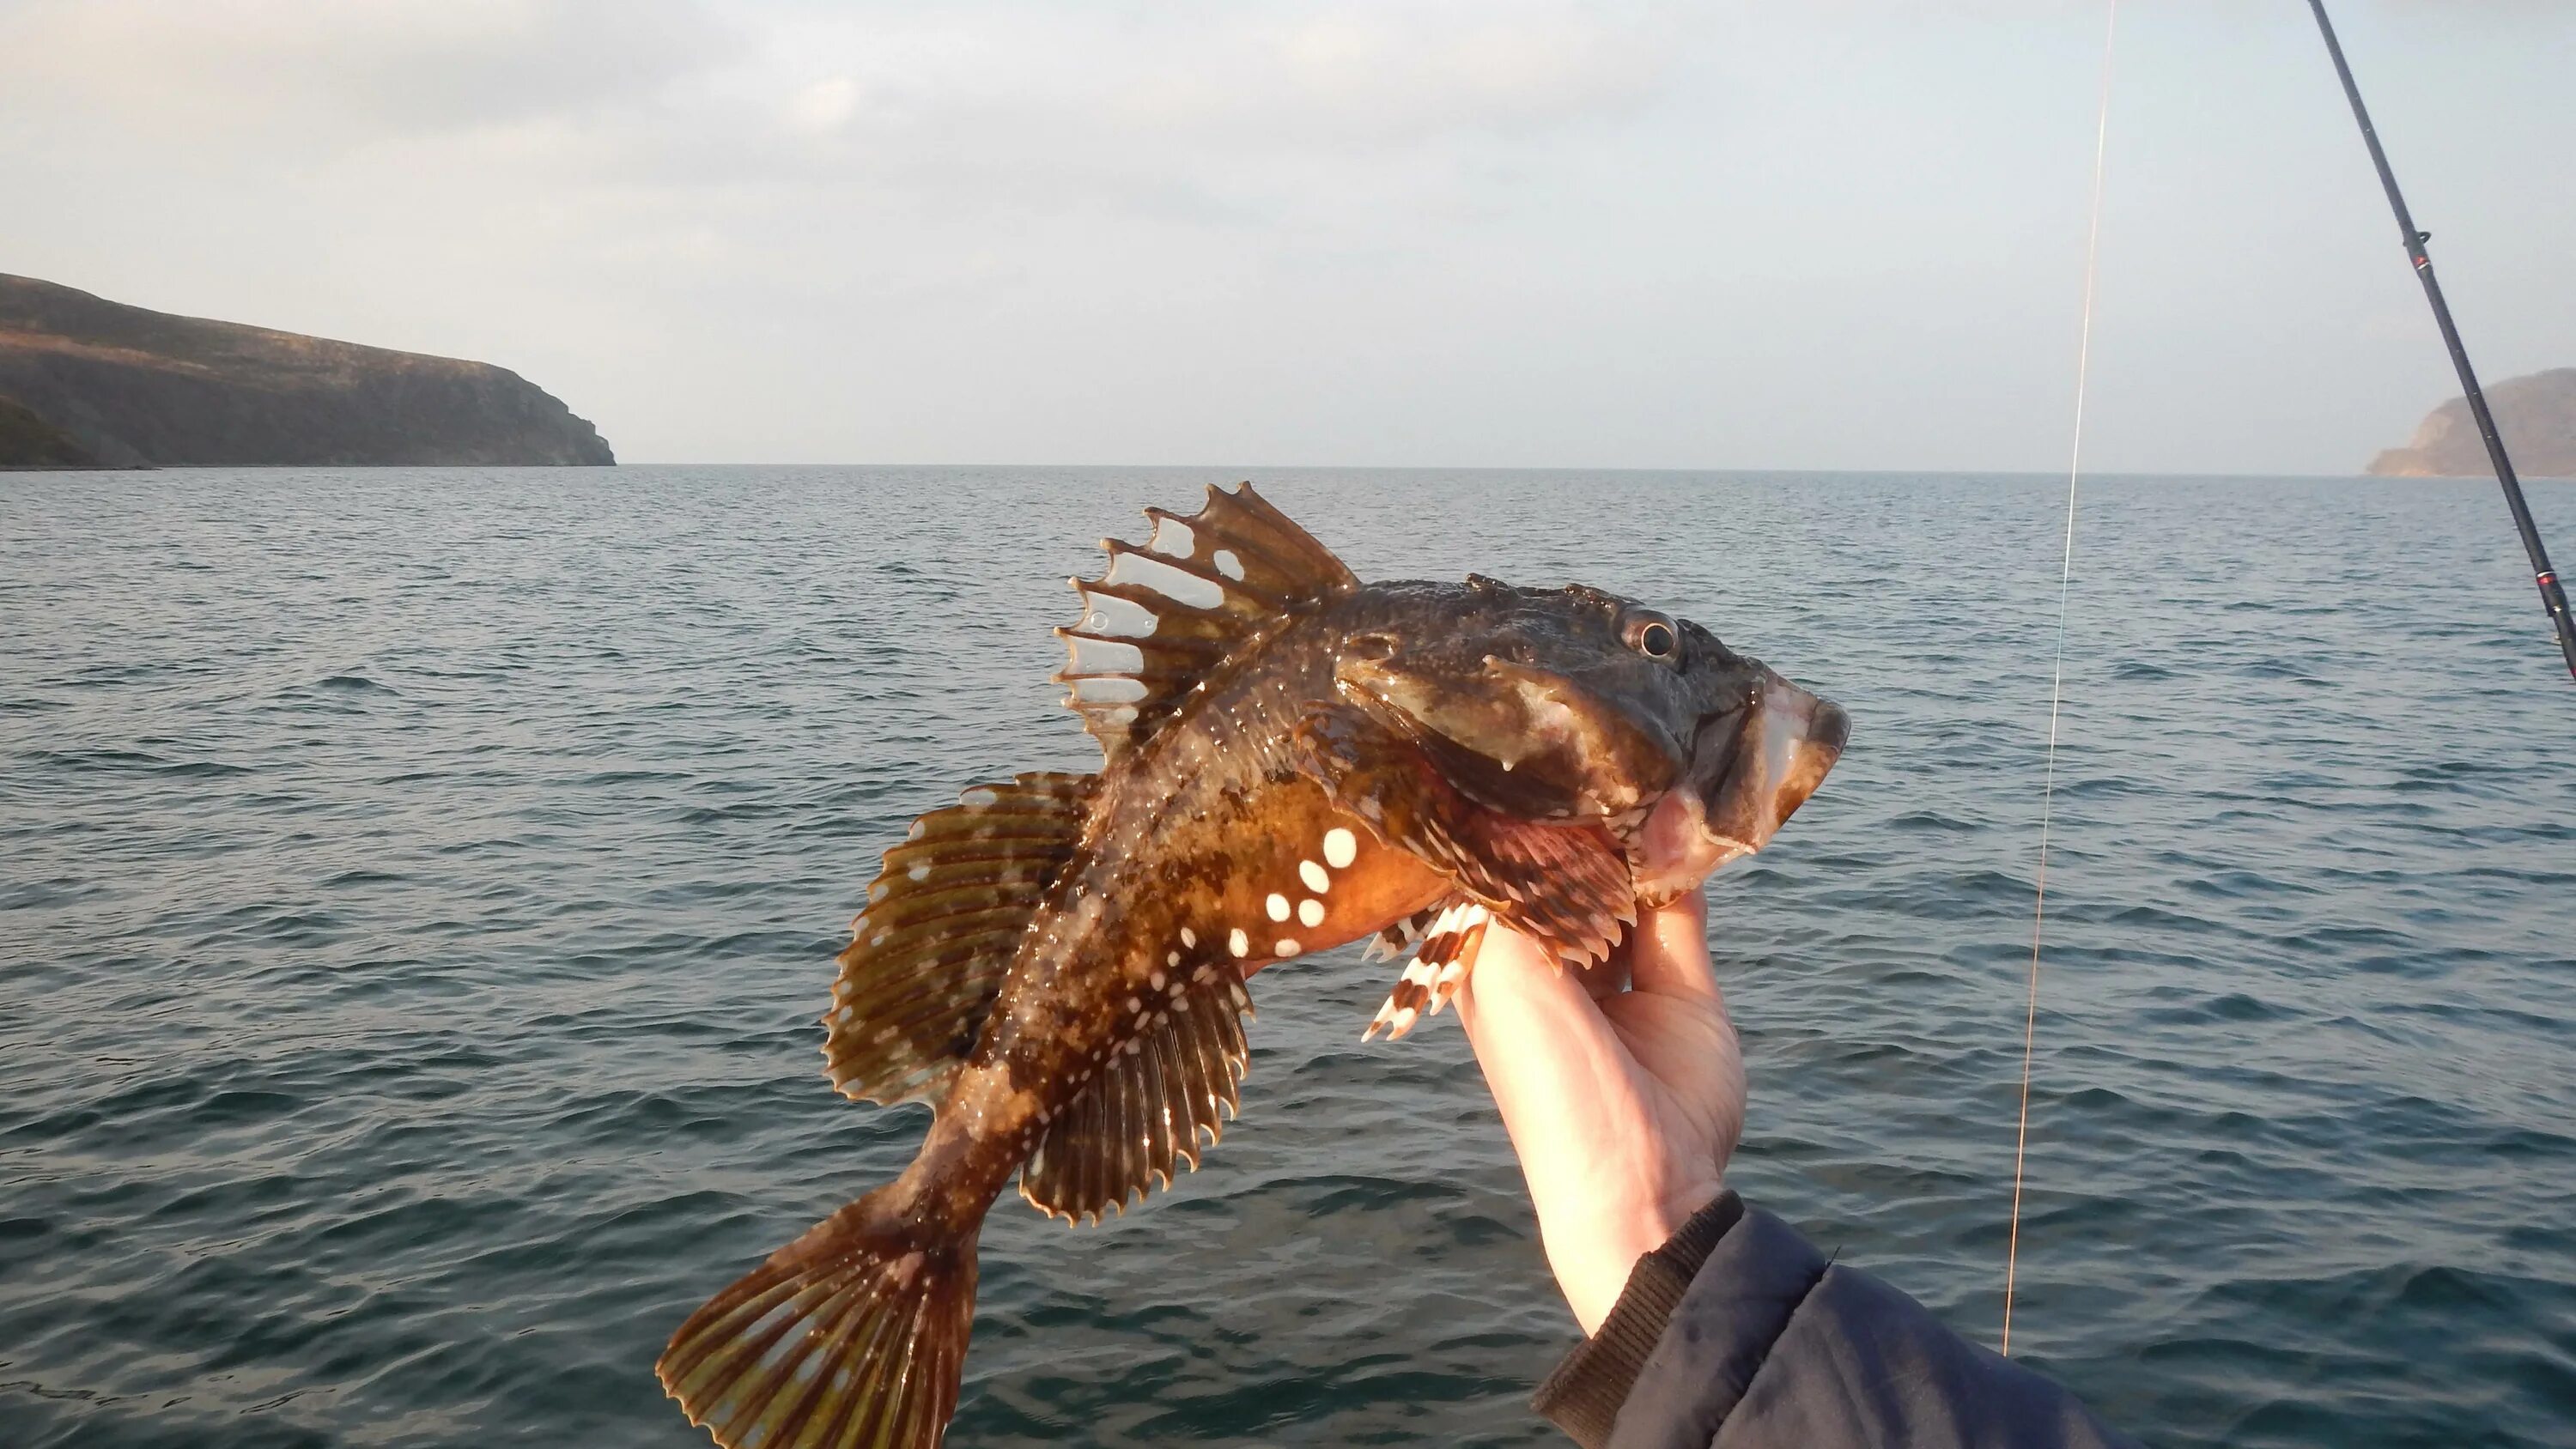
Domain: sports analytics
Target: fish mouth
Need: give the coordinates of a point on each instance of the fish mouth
(1751, 768)
(1787, 743)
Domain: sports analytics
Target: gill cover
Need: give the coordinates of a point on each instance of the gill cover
(1544, 704)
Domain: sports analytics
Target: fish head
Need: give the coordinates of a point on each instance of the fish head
(1573, 704)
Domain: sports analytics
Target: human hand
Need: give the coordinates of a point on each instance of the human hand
(1623, 1091)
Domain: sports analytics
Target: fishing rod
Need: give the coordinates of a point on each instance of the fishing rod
(2553, 597)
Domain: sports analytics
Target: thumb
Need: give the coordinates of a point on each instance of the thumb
(1671, 953)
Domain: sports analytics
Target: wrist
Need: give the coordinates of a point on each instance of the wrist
(1587, 1390)
(1593, 1254)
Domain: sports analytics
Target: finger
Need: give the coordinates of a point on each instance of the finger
(1671, 954)
(1605, 977)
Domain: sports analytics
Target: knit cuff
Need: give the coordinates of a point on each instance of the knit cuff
(1583, 1396)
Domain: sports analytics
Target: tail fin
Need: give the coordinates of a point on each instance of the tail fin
(853, 1334)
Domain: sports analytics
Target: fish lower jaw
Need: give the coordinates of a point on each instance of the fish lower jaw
(1661, 882)
(1751, 769)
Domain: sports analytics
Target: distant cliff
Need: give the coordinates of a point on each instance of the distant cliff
(28, 441)
(123, 386)
(2536, 415)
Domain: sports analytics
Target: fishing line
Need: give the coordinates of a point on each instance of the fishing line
(2057, 673)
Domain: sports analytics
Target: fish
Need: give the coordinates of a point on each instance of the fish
(1292, 761)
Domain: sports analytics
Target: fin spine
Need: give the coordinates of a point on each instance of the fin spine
(1250, 570)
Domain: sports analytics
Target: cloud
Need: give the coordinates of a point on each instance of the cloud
(340, 73)
(1230, 116)
(1422, 229)
(997, 104)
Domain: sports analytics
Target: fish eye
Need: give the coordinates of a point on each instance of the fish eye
(1652, 635)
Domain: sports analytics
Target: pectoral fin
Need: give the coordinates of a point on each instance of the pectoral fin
(1567, 884)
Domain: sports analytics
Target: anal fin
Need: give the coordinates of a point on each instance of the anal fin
(943, 918)
(1141, 1119)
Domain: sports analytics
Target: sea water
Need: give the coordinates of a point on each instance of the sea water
(420, 887)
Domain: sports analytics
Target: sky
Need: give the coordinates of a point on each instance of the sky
(1845, 234)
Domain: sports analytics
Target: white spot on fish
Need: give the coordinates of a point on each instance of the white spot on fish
(1174, 537)
(1315, 877)
(1189, 937)
(1133, 1004)
(919, 872)
(979, 798)
(1228, 565)
(1238, 943)
(1310, 914)
(1285, 947)
(1155, 981)
(1172, 959)
(1172, 583)
(1123, 618)
(1109, 689)
(1340, 848)
(1102, 656)
(916, 832)
(877, 892)
(1277, 906)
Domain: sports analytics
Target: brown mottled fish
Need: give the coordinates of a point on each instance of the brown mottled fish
(1295, 760)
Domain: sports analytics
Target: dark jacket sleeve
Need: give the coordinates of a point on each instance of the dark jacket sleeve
(1738, 1334)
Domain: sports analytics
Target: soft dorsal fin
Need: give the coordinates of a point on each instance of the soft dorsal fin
(943, 918)
(1179, 1077)
(1160, 618)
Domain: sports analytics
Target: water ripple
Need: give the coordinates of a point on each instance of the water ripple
(422, 885)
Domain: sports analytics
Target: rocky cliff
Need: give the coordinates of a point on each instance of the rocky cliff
(2536, 415)
(28, 441)
(125, 386)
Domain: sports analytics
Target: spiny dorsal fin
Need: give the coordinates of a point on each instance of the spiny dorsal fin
(1161, 617)
(943, 918)
(1182, 1075)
